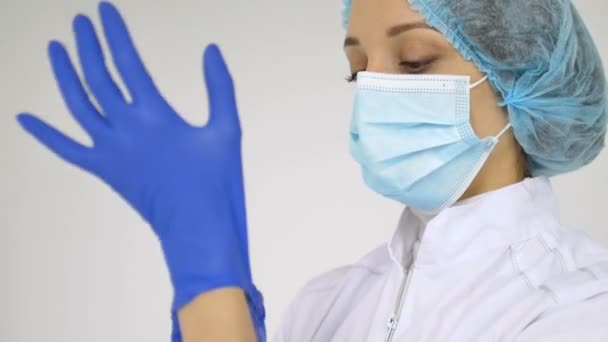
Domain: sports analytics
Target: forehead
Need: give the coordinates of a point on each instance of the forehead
(369, 16)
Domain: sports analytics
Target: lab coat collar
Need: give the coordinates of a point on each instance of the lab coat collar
(475, 226)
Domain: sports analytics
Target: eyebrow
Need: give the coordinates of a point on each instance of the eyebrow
(392, 32)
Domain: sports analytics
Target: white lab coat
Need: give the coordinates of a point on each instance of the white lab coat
(495, 267)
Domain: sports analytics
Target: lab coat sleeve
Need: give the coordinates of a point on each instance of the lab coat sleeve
(583, 321)
(283, 333)
(304, 314)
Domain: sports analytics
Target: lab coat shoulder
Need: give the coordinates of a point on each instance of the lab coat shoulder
(317, 297)
(580, 292)
(582, 249)
(585, 263)
(583, 321)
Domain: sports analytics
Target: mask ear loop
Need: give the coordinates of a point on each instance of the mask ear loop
(504, 130)
(483, 79)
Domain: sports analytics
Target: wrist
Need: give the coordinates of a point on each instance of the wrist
(218, 315)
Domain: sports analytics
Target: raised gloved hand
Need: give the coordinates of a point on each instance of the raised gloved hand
(185, 181)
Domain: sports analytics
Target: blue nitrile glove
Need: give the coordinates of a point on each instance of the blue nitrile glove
(185, 181)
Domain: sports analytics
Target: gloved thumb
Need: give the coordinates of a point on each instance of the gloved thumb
(220, 90)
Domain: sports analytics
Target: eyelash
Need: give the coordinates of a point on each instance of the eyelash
(352, 77)
(418, 65)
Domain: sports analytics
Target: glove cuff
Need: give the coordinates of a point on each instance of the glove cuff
(255, 300)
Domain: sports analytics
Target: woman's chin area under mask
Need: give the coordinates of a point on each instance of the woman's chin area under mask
(388, 36)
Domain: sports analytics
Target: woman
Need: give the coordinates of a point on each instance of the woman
(462, 111)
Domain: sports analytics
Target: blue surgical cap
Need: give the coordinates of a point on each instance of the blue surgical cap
(540, 56)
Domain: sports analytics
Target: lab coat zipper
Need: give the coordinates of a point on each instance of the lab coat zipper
(393, 320)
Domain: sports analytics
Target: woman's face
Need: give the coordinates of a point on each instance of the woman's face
(388, 36)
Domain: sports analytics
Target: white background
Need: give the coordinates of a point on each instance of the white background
(77, 264)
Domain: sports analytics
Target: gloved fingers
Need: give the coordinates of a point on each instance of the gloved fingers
(73, 93)
(220, 90)
(60, 144)
(96, 73)
(125, 56)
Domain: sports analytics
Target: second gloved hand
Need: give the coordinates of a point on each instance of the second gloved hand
(185, 181)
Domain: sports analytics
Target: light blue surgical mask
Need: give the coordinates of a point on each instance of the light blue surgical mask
(412, 136)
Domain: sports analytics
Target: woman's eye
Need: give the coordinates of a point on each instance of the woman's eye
(415, 67)
(352, 77)
(411, 67)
